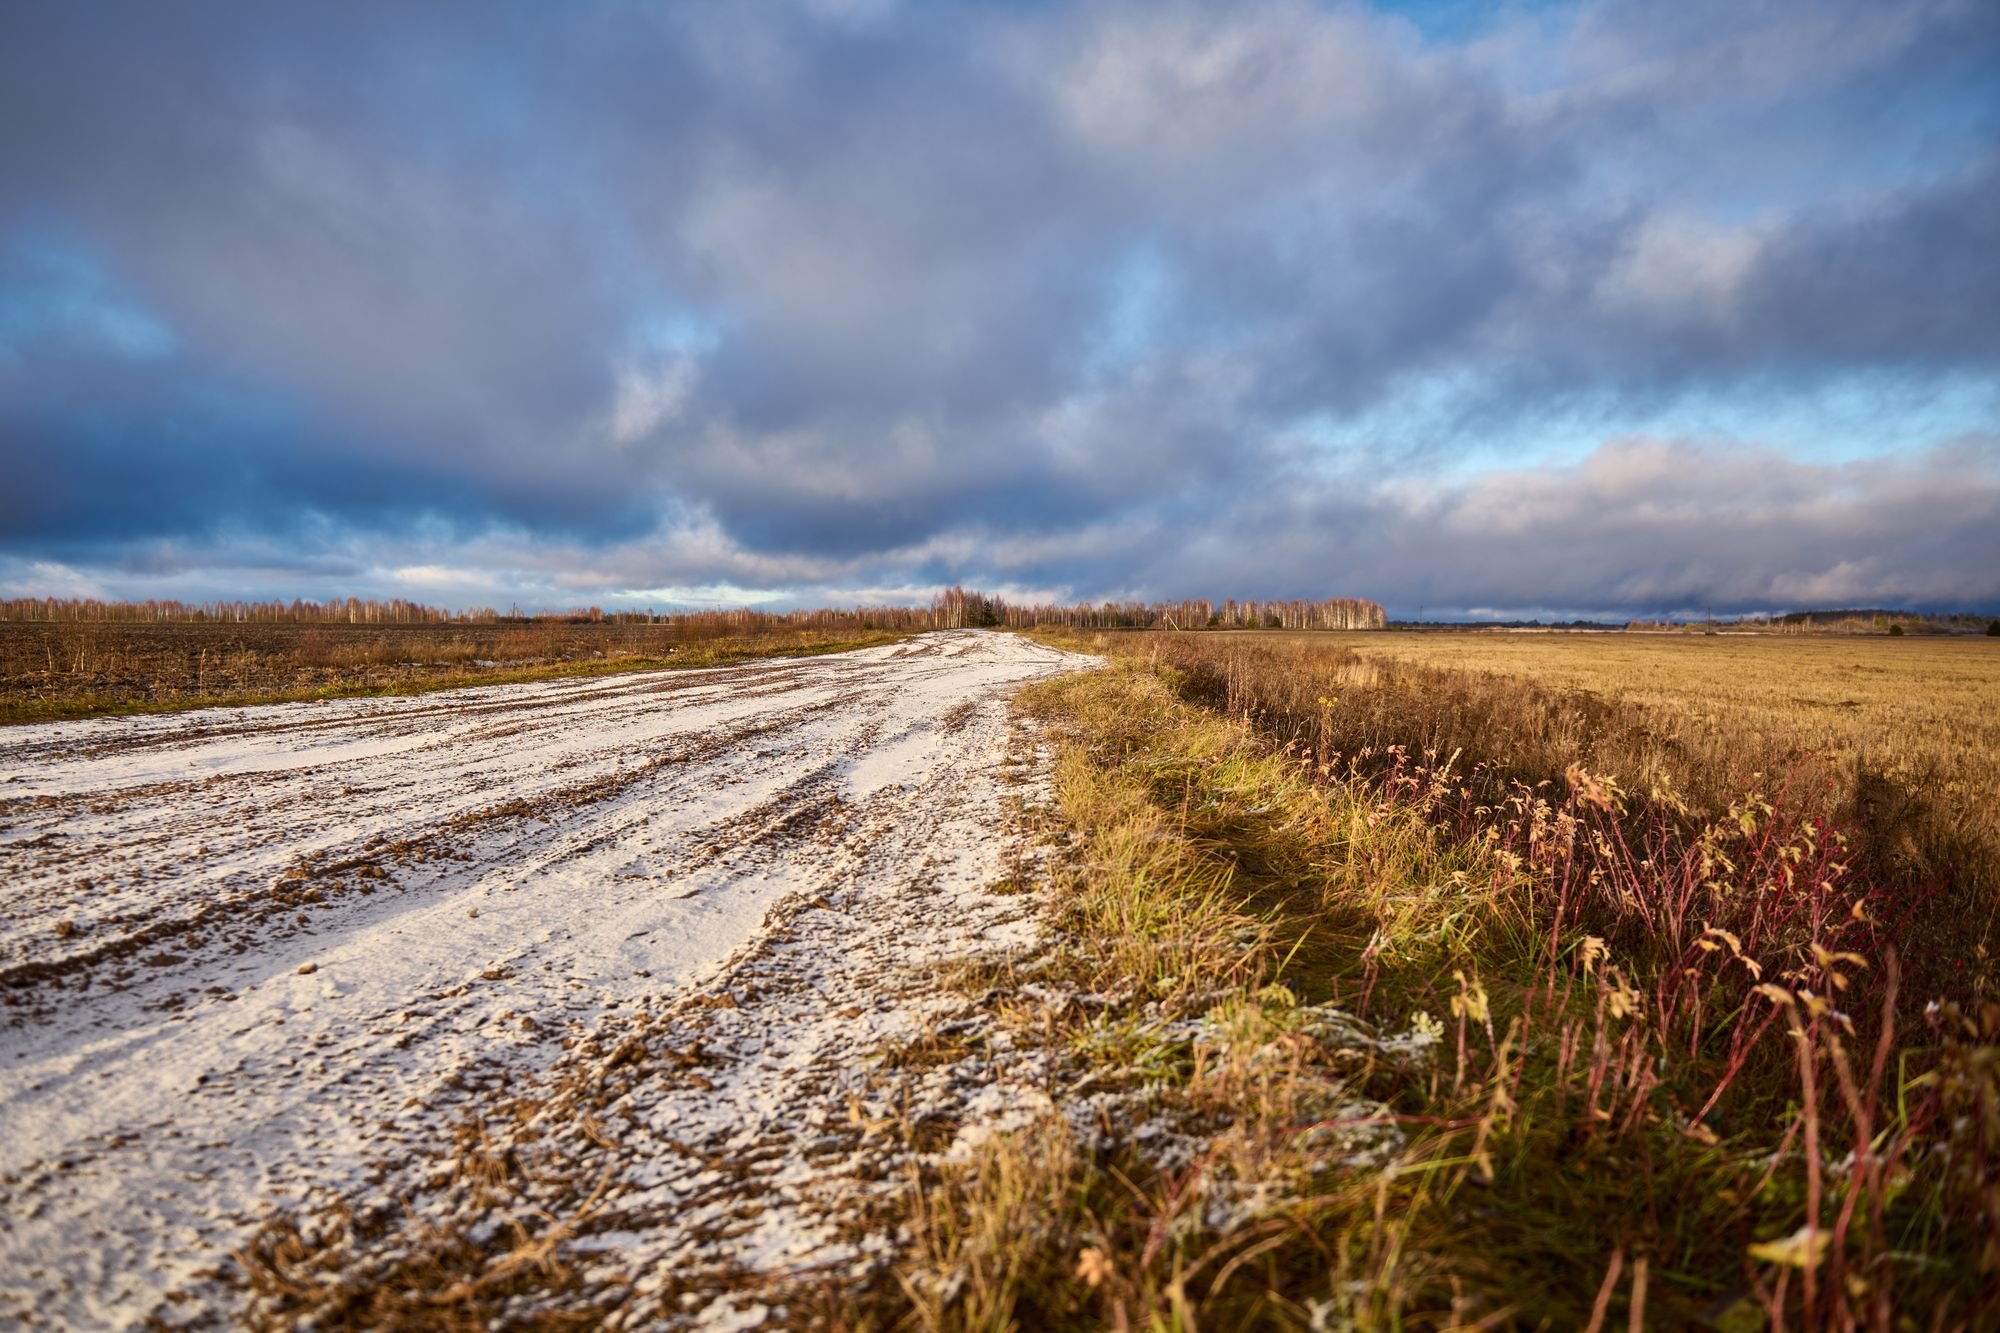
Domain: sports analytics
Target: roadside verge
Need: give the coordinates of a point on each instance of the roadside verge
(1337, 1047)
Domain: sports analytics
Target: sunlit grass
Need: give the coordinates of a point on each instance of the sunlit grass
(1464, 1051)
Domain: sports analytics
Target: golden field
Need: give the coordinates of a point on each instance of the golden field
(1920, 700)
(1922, 713)
(1894, 740)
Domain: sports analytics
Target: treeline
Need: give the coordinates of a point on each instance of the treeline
(1200, 613)
(1875, 618)
(962, 608)
(346, 611)
(745, 618)
(955, 608)
(364, 611)
(1869, 620)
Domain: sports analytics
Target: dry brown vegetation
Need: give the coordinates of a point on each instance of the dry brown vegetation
(1897, 739)
(58, 669)
(1923, 709)
(1682, 1044)
(81, 657)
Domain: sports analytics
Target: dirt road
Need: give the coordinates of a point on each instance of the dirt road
(563, 995)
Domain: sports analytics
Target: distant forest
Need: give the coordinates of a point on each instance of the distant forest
(955, 608)
(1846, 620)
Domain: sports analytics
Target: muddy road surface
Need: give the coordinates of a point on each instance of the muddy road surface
(566, 998)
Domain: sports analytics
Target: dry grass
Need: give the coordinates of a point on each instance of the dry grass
(50, 671)
(1895, 740)
(1599, 1059)
(1923, 709)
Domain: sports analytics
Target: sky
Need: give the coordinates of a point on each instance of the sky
(1603, 308)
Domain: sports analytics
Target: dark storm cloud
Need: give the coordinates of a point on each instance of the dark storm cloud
(862, 296)
(1640, 526)
(1652, 525)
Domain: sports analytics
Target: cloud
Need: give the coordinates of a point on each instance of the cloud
(46, 578)
(872, 295)
(1659, 525)
(1639, 526)
(53, 294)
(650, 397)
(437, 577)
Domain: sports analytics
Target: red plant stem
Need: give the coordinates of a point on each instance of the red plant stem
(1807, 1052)
(1736, 1060)
(1602, 1306)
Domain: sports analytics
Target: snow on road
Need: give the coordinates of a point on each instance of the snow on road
(275, 977)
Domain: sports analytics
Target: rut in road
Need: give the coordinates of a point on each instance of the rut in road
(273, 977)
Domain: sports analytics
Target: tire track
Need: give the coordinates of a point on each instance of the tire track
(276, 962)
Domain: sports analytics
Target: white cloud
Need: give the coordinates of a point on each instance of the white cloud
(710, 595)
(649, 397)
(441, 577)
(1676, 266)
(48, 578)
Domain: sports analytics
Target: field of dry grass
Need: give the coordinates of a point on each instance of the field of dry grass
(51, 670)
(1477, 1020)
(1921, 708)
(1895, 740)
